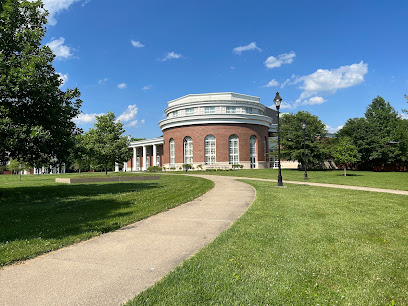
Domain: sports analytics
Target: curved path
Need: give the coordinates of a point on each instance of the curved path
(114, 267)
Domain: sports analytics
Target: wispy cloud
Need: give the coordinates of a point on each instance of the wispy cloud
(275, 62)
(128, 114)
(251, 46)
(63, 78)
(56, 6)
(86, 118)
(325, 82)
(147, 87)
(103, 81)
(171, 55)
(137, 44)
(122, 85)
(60, 50)
(272, 83)
(329, 81)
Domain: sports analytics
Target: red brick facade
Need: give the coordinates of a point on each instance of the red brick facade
(221, 132)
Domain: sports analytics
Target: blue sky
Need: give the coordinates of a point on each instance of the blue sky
(330, 58)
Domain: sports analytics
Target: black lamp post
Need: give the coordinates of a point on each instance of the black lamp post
(304, 146)
(277, 102)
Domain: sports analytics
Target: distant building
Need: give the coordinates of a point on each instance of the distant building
(214, 130)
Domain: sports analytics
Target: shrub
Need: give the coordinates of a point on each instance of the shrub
(154, 169)
(237, 166)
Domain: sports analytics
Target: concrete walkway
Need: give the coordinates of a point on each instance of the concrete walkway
(350, 187)
(114, 267)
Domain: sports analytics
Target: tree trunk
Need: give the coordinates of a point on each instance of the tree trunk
(345, 169)
(20, 176)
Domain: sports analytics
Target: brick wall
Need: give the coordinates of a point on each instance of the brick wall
(221, 133)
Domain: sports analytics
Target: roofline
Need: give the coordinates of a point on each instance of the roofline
(212, 93)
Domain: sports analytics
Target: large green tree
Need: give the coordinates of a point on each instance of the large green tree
(292, 138)
(106, 142)
(35, 114)
(379, 136)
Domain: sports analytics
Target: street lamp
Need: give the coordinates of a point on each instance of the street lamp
(278, 101)
(304, 146)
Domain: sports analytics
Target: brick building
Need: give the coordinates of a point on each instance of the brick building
(214, 130)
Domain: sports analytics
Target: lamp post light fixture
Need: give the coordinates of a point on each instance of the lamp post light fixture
(304, 146)
(278, 101)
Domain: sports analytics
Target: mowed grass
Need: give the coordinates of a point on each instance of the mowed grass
(38, 215)
(300, 245)
(387, 180)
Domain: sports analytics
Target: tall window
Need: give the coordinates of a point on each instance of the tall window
(209, 109)
(248, 110)
(252, 146)
(252, 151)
(233, 149)
(209, 149)
(172, 154)
(188, 150)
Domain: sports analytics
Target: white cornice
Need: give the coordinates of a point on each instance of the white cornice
(147, 142)
(225, 96)
(214, 119)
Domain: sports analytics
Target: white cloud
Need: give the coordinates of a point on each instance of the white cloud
(232, 67)
(137, 44)
(103, 81)
(128, 114)
(298, 102)
(122, 85)
(171, 55)
(404, 115)
(56, 6)
(60, 50)
(251, 46)
(275, 62)
(272, 83)
(333, 129)
(86, 118)
(313, 101)
(330, 81)
(147, 87)
(63, 78)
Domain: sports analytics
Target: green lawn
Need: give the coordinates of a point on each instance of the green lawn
(38, 215)
(388, 180)
(299, 245)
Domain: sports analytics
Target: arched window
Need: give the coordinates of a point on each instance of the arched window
(252, 151)
(188, 150)
(209, 150)
(233, 150)
(172, 154)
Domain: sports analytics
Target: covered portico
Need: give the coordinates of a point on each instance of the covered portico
(146, 153)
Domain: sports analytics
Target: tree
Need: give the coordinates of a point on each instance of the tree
(106, 144)
(79, 152)
(292, 138)
(345, 152)
(35, 114)
(17, 166)
(379, 136)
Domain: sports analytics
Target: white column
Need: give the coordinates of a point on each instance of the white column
(134, 159)
(144, 159)
(116, 167)
(154, 155)
(124, 167)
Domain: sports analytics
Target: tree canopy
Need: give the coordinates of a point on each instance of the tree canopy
(380, 137)
(292, 137)
(35, 114)
(345, 152)
(106, 144)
